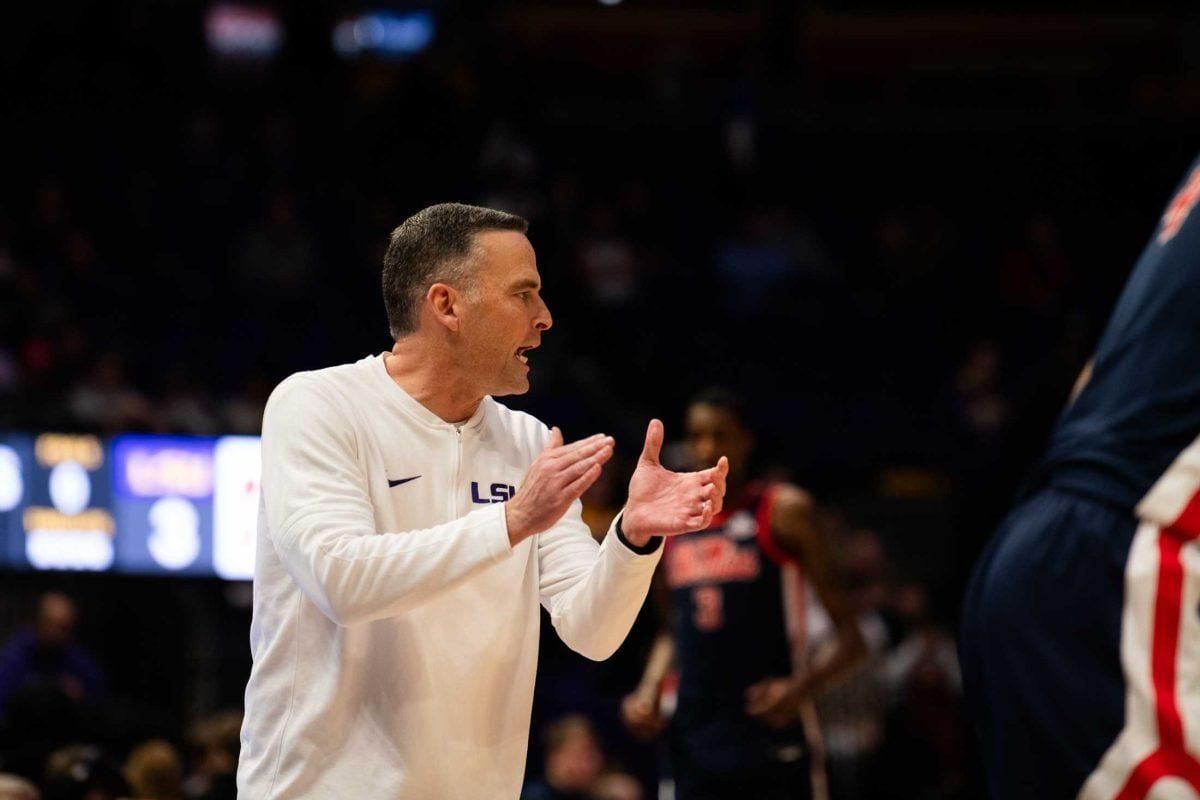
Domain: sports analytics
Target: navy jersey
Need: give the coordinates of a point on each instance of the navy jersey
(1141, 407)
(733, 604)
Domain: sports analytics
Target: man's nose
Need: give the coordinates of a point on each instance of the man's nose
(543, 321)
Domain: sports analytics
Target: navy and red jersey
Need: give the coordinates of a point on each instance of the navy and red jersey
(737, 607)
(1141, 407)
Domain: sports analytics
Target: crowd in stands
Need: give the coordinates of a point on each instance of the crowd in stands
(904, 316)
(54, 708)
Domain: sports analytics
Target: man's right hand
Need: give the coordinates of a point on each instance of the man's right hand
(555, 480)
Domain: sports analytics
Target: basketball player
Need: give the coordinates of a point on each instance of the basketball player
(737, 615)
(1081, 639)
(410, 525)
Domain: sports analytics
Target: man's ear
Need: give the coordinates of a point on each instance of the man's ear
(442, 301)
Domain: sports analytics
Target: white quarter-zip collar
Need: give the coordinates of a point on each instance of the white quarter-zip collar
(377, 365)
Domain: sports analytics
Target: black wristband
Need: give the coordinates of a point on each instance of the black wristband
(646, 549)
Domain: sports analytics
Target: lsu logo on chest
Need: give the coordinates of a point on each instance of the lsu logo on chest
(496, 493)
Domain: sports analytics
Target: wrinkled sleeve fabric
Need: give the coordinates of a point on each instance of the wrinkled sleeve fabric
(593, 592)
(320, 520)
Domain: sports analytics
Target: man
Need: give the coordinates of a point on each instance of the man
(45, 662)
(738, 599)
(573, 758)
(1080, 640)
(410, 525)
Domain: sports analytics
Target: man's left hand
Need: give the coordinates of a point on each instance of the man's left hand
(665, 503)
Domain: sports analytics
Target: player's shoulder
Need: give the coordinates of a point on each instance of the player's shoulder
(788, 501)
(789, 494)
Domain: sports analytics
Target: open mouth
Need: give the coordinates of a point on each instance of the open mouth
(523, 353)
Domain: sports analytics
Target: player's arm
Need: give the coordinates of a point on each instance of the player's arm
(1081, 381)
(640, 708)
(795, 531)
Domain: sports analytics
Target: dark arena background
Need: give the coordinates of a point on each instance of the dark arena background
(894, 229)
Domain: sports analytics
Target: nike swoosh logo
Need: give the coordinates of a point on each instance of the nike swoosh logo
(393, 484)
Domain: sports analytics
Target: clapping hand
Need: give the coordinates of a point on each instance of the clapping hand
(555, 480)
(665, 503)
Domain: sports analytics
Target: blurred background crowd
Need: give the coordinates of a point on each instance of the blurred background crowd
(895, 232)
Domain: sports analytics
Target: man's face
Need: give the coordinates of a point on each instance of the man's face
(56, 622)
(575, 764)
(505, 317)
(712, 432)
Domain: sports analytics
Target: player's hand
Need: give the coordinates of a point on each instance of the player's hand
(775, 701)
(639, 712)
(665, 503)
(555, 480)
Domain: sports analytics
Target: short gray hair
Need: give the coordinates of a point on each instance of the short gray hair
(434, 246)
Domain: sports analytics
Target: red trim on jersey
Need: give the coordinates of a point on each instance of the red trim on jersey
(1171, 758)
(1165, 645)
(1189, 518)
(1180, 207)
(764, 536)
(1160, 764)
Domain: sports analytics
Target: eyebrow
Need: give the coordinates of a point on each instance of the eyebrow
(527, 283)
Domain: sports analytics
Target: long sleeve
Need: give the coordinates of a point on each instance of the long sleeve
(593, 592)
(321, 524)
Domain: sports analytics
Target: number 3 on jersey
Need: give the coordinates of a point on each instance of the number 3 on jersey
(709, 613)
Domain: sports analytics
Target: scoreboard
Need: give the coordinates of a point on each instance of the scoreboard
(136, 504)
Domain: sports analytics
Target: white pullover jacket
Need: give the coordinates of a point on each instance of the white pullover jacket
(395, 631)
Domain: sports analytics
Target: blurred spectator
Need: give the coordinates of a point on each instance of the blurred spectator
(509, 165)
(853, 712)
(185, 408)
(616, 785)
(772, 248)
(1036, 272)
(83, 772)
(15, 788)
(277, 257)
(926, 752)
(609, 264)
(154, 772)
(573, 761)
(156, 221)
(214, 744)
(982, 409)
(106, 401)
(243, 411)
(46, 657)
